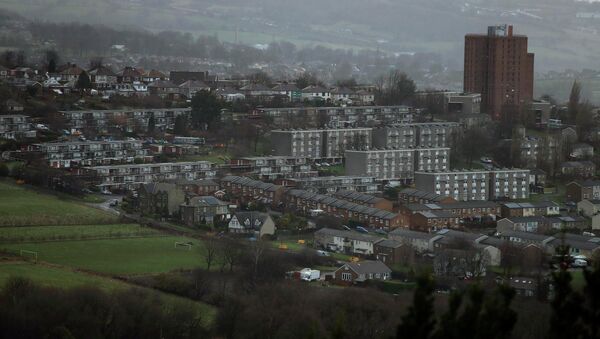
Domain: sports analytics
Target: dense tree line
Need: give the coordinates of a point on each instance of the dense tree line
(28, 310)
(244, 280)
(394, 88)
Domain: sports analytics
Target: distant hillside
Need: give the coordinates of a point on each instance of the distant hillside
(560, 35)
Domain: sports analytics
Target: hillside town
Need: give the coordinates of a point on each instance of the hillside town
(374, 181)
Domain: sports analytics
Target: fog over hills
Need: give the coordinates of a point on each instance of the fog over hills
(563, 33)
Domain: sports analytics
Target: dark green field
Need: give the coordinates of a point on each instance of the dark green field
(118, 256)
(74, 232)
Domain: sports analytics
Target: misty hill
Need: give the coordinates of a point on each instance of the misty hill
(563, 33)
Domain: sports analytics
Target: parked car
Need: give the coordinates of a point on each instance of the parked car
(322, 253)
(361, 229)
(579, 263)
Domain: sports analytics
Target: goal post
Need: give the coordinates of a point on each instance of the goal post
(29, 254)
(183, 244)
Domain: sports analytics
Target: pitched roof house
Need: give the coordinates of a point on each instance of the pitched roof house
(129, 75)
(316, 93)
(70, 72)
(290, 90)
(342, 94)
(102, 77)
(254, 223)
(191, 87)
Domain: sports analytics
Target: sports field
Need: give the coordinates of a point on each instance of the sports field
(74, 232)
(23, 207)
(118, 256)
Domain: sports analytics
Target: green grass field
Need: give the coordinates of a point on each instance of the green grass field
(77, 232)
(64, 278)
(22, 207)
(82, 241)
(118, 256)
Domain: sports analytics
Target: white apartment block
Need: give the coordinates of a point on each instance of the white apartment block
(381, 164)
(534, 150)
(432, 159)
(131, 119)
(319, 143)
(460, 185)
(297, 143)
(339, 116)
(16, 126)
(475, 184)
(509, 183)
(91, 153)
(396, 164)
(337, 141)
(326, 185)
(131, 176)
(274, 167)
(434, 134)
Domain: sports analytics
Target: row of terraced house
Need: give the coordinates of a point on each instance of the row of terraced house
(91, 153)
(128, 119)
(131, 176)
(244, 190)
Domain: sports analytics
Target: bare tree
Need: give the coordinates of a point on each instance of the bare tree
(256, 251)
(231, 253)
(394, 88)
(461, 259)
(210, 251)
(511, 257)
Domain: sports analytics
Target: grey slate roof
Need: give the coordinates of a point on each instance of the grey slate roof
(206, 201)
(389, 243)
(155, 187)
(369, 267)
(406, 233)
(422, 194)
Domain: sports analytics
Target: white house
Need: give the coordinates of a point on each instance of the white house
(316, 93)
(588, 208)
(252, 223)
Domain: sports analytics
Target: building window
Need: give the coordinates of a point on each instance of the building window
(346, 276)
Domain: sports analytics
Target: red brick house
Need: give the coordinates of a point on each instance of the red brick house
(358, 272)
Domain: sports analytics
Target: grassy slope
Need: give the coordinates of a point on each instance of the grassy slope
(118, 256)
(113, 256)
(19, 206)
(63, 278)
(47, 233)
